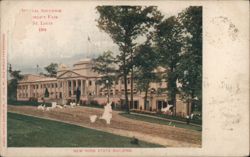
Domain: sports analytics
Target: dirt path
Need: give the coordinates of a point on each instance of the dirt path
(150, 132)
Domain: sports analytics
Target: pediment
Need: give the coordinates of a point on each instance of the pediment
(69, 74)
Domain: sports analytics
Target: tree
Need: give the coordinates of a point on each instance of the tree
(105, 65)
(146, 62)
(13, 82)
(51, 69)
(190, 67)
(169, 44)
(125, 24)
(46, 93)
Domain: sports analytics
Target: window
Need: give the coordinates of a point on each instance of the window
(128, 81)
(90, 83)
(136, 104)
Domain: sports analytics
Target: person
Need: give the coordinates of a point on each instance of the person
(187, 119)
(78, 94)
(192, 115)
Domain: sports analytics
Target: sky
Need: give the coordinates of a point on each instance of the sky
(73, 36)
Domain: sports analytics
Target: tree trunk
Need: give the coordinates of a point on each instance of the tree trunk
(188, 103)
(125, 83)
(126, 92)
(192, 99)
(145, 97)
(131, 88)
(174, 102)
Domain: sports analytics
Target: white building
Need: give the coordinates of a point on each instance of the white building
(63, 89)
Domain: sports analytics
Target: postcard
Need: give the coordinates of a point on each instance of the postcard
(124, 78)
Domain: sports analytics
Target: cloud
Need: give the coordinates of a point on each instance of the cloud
(65, 41)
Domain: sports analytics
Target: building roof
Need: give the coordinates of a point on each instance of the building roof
(82, 68)
(84, 61)
(31, 78)
(47, 79)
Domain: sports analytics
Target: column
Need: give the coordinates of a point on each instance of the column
(76, 84)
(67, 88)
(72, 87)
(97, 90)
(94, 84)
(81, 87)
(29, 91)
(86, 87)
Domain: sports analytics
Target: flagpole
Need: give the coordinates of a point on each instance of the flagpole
(89, 42)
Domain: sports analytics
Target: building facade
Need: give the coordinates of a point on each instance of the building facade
(62, 89)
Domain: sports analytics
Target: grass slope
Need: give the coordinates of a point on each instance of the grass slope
(26, 131)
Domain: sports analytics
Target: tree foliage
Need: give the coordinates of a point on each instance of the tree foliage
(125, 24)
(46, 93)
(145, 62)
(13, 82)
(179, 43)
(169, 43)
(190, 67)
(105, 65)
(51, 69)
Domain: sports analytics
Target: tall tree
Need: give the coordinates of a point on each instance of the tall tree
(169, 43)
(190, 67)
(146, 62)
(51, 69)
(105, 65)
(125, 24)
(12, 83)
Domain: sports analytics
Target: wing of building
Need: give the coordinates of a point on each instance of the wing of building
(63, 89)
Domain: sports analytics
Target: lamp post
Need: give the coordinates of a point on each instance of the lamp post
(107, 82)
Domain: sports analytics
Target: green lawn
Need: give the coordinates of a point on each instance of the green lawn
(26, 131)
(159, 121)
(194, 121)
(26, 103)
